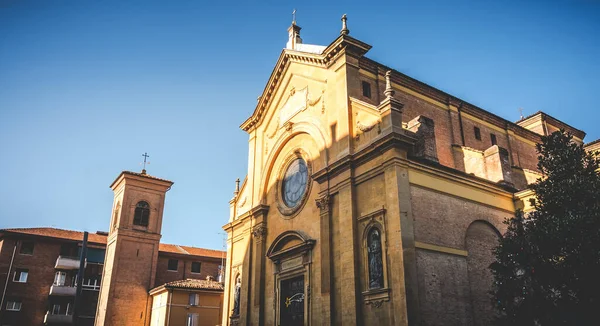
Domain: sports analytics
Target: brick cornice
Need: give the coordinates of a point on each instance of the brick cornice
(427, 90)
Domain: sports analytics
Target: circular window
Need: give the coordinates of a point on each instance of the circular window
(294, 183)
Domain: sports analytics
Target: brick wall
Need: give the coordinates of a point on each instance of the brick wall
(163, 275)
(34, 294)
(448, 128)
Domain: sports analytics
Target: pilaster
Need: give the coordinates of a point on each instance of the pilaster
(324, 205)
(350, 294)
(401, 247)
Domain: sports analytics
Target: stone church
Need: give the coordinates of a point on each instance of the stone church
(371, 198)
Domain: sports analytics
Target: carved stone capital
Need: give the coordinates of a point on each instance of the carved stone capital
(259, 232)
(323, 203)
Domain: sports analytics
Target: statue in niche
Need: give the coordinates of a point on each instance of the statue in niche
(236, 296)
(375, 259)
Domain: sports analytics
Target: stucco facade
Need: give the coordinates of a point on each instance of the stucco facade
(434, 175)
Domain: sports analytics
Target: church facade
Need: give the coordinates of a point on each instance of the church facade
(371, 198)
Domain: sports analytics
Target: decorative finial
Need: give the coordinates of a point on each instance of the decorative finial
(294, 17)
(145, 156)
(237, 187)
(389, 91)
(345, 30)
(521, 111)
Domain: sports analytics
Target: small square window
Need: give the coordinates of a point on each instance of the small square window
(477, 133)
(21, 275)
(196, 267)
(173, 264)
(366, 89)
(13, 305)
(494, 140)
(194, 299)
(26, 248)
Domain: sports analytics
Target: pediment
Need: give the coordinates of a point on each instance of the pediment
(289, 243)
(323, 60)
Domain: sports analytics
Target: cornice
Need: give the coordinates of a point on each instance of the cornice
(366, 153)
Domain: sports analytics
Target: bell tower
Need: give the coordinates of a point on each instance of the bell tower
(131, 249)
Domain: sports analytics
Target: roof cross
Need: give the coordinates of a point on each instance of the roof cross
(294, 17)
(521, 110)
(145, 156)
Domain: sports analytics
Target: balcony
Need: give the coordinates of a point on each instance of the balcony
(63, 290)
(58, 319)
(66, 262)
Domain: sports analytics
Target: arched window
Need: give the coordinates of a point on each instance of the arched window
(142, 214)
(116, 215)
(375, 259)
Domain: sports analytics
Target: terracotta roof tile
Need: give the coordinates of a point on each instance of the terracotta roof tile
(195, 284)
(58, 233)
(101, 239)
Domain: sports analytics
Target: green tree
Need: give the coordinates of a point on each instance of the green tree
(547, 268)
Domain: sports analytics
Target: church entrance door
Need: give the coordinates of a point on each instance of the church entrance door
(292, 302)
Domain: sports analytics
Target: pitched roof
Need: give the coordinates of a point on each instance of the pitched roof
(58, 233)
(100, 238)
(194, 284)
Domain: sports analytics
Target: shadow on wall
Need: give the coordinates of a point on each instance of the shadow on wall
(480, 240)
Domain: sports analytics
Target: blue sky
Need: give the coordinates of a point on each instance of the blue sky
(86, 87)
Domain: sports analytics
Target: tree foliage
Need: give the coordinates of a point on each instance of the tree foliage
(547, 268)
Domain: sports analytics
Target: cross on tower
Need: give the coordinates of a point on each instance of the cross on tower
(145, 156)
(294, 16)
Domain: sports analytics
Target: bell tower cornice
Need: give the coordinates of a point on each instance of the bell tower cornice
(134, 178)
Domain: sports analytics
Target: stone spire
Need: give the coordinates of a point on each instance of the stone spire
(389, 91)
(345, 30)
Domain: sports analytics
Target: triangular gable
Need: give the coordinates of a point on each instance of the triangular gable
(327, 57)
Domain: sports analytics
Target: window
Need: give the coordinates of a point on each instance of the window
(195, 267)
(194, 299)
(21, 275)
(477, 133)
(366, 88)
(13, 305)
(142, 214)
(26, 248)
(192, 320)
(116, 215)
(494, 141)
(173, 264)
(69, 250)
(56, 309)
(59, 278)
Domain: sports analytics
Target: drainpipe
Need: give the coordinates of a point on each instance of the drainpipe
(8, 275)
(80, 275)
(460, 124)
